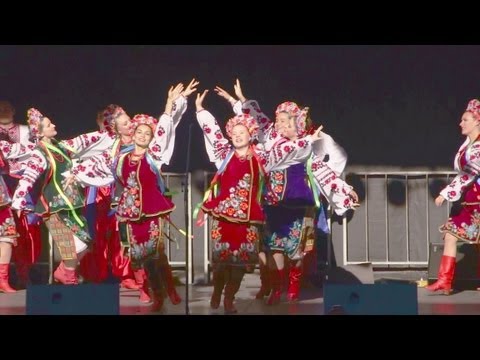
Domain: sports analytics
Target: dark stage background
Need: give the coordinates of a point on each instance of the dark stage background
(386, 105)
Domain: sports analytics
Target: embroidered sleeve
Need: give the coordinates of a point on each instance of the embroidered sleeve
(162, 145)
(94, 171)
(286, 153)
(237, 107)
(179, 108)
(337, 156)
(215, 143)
(35, 167)
(17, 155)
(24, 135)
(167, 144)
(466, 176)
(332, 187)
(266, 132)
(15, 150)
(86, 145)
(252, 108)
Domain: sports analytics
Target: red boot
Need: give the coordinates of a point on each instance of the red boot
(175, 299)
(445, 276)
(65, 276)
(130, 284)
(295, 274)
(4, 275)
(141, 279)
(265, 287)
(277, 278)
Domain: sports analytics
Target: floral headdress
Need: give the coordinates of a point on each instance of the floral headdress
(300, 115)
(110, 113)
(474, 107)
(244, 119)
(34, 117)
(142, 119)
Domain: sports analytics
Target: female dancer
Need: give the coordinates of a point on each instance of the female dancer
(463, 225)
(236, 210)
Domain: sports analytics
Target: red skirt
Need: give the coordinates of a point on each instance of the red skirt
(145, 239)
(464, 222)
(234, 243)
(8, 228)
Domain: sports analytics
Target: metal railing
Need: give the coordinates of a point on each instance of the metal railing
(410, 214)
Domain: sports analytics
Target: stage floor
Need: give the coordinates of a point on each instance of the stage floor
(311, 302)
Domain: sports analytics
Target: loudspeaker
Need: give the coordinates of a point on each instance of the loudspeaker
(467, 267)
(370, 299)
(88, 299)
(351, 274)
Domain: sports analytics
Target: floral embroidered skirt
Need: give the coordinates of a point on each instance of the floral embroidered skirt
(464, 221)
(288, 230)
(8, 228)
(234, 243)
(145, 239)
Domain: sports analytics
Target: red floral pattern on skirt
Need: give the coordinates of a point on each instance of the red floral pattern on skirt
(8, 228)
(465, 222)
(234, 244)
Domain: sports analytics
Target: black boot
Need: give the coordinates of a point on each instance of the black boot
(231, 288)
(218, 285)
(154, 269)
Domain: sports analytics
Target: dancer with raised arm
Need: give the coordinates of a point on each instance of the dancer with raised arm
(293, 197)
(143, 208)
(236, 211)
(91, 171)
